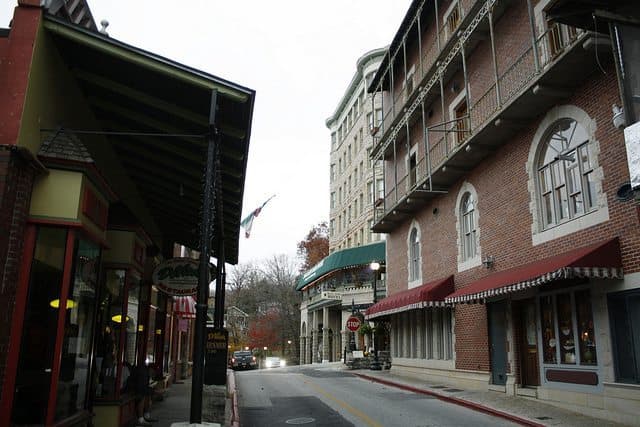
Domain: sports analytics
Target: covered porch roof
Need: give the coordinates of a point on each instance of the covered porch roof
(154, 114)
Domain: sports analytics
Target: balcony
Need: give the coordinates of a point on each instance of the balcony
(462, 16)
(560, 60)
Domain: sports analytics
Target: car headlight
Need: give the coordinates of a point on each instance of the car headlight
(268, 364)
(283, 362)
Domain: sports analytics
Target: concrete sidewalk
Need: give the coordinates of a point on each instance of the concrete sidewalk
(521, 410)
(175, 407)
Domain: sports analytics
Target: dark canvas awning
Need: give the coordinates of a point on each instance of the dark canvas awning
(430, 294)
(346, 258)
(135, 96)
(599, 260)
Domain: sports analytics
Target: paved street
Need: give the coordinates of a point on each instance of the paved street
(324, 397)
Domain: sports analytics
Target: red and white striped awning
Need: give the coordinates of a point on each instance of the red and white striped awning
(185, 307)
(430, 294)
(599, 260)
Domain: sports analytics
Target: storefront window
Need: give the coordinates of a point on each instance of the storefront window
(585, 329)
(548, 329)
(565, 323)
(576, 343)
(73, 381)
(110, 318)
(131, 329)
(33, 378)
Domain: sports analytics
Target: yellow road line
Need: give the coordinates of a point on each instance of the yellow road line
(342, 403)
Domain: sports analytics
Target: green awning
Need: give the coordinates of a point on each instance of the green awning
(352, 257)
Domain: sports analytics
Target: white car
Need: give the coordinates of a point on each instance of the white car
(274, 362)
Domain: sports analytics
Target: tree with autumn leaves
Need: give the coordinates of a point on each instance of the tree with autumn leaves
(267, 292)
(315, 246)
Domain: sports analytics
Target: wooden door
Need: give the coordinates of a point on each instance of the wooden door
(529, 366)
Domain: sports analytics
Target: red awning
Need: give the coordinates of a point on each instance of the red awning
(600, 260)
(185, 307)
(431, 294)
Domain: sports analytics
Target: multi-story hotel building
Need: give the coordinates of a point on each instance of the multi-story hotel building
(342, 283)
(512, 253)
(352, 125)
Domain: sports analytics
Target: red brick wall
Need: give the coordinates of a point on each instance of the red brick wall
(16, 180)
(16, 173)
(505, 219)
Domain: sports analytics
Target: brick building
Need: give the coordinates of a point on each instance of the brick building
(512, 265)
(101, 162)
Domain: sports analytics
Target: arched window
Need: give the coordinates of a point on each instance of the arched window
(468, 229)
(414, 255)
(565, 174)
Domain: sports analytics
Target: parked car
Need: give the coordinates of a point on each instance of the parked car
(274, 362)
(243, 360)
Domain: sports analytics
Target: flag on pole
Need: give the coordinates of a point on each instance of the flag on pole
(248, 221)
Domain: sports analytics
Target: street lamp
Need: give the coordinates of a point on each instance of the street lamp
(375, 364)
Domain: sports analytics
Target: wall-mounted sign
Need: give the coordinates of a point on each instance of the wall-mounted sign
(331, 295)
(177, 276)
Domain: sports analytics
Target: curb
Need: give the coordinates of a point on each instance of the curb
(471, 405)
(233, 392)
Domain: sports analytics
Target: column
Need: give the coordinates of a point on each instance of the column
(326, 349)
(314, 338)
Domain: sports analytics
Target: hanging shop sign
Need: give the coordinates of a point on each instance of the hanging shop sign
(215, 358)
(177, 276)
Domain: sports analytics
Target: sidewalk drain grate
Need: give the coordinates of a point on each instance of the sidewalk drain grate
(438, 386)
(452, 390)
(299, 421)
(544, 418)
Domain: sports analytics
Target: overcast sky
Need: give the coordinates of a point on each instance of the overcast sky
(298, 55)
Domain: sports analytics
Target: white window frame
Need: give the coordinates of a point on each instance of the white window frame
(600, 211)
(454, 4)
(413, 152)
(466, 264)
(417, 279)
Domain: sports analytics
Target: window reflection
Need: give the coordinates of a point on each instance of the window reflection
(39, 330)
(74, 369)
(108, 341)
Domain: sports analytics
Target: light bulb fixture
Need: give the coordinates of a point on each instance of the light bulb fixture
(488, 261)
(118, 318)
(56, 303)
(375, 266)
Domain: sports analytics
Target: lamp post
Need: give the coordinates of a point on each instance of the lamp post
(375, 364)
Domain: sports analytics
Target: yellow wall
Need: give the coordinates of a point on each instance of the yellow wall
(120, 247)
(57, 195)
(53, 98)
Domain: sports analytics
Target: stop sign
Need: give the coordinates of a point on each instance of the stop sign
(353, 323)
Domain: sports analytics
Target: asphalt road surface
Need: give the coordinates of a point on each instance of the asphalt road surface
(318, 396)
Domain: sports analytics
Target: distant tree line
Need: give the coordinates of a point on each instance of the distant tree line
(267, 293)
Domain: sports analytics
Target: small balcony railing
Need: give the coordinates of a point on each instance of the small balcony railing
(448, 29)
(446, 139)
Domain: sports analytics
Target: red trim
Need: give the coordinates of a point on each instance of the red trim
(62, 316)
(434, 291)
(94, 208)
(601, 254)
(73, 225)
(17, 323)
(55, 222)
